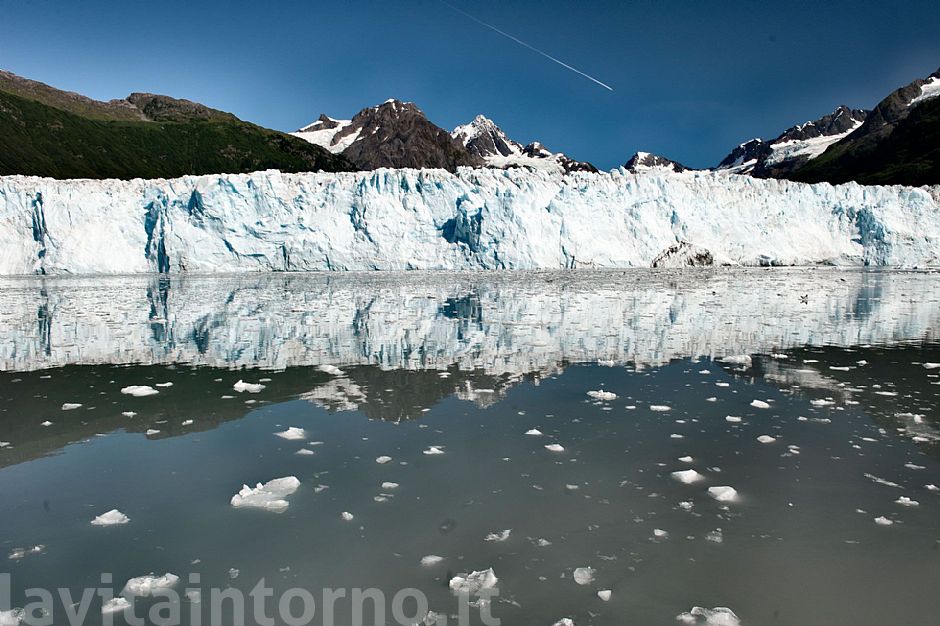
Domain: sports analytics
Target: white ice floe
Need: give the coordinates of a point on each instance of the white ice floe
(293, 433)
(905, 501)
(13, 617)
(139, 391)
(431, 560)
(305, 452)
(164, 385)
(723, 493)
(22, 553)
(129, 413)
(151, 432)
(71, 406)
(883, 521)
(115, 605)
(660, 408)
(47, 424)
(332, 370)
(241, 386)
(932, 487)
(534, 432)
(144, 586)
(822, 402)
(688, 476)
(565, 621)
(604, 594)
(659, 533)
(186, 423)
(602, 395)
(111, 518)
(766, 439)
(584, 575)
(269, 496)
(734, 419)
(931, 366)
(474, 582)
(382, 460)
(718, 616)
(346, 516)
(501, 535)
(759, 404)
(737, 359)
(554, 447)
(686, 459)
(434, 450)
(389, 485)
(685, 505)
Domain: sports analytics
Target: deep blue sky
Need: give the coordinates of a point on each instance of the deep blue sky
(692, 78)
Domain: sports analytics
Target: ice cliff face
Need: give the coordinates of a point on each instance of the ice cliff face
(432, 219)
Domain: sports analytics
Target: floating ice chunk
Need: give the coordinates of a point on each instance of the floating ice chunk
(931, 366)
(685, 505)
(604, 594)
(604, 396)
(139, 391)
(115, 605)
(268, 496)
(660, 408)
(759, 404)
(187, 423)
(766, 439)
(737, 359)
(382, 460)
(565, 621)
(723, 493)
(4, 444)
(718, 616)
(688, 476)
(241, 386)
(292, 434)
(474, 582)
(22, 553)
(715, 536)
(554, 447)
(821, 402)
(151, 432)
(584, 575)
(914, 466)
(534, 432)
(111, 518)
(660, 533)
(128, 413)
(431, 560)
(905, 501)
(433, 450)
(346, 516)
(686, 459)
(388, 485)
(332, 370)
(883, 521)
(71, 406)
(932, 487)
(889, 394)
(734, 419)
(164, 385)
(501, 535)
(305, 452)
(676, 436)
(47, 423)
(144, 586)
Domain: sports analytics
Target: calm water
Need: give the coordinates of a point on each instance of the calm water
(842, 361)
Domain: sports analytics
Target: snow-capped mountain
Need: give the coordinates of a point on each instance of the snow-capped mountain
(392, 134)
(644, 162)
(794, 147)
(485, 139)
(478, 218)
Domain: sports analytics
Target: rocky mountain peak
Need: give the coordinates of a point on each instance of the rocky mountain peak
(644, 161)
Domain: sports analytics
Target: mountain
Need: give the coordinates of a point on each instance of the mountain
(398, 219)
(483, 138)
(794, 147)
(393, 134)
(644, 162)
(899, 143)
(49, 132)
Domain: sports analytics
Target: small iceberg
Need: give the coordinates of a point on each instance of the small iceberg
(603, 396)
(759, 404)
(144, 586)
(139, 391)
(268, 496)
(241, 386)
(554, 447)
(474, 582)
(292, 434)
(723, 493)
(718, 616)
(584, 575)
(111, 518)
(688, 476)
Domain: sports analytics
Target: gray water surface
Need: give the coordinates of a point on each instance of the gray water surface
(391, 365)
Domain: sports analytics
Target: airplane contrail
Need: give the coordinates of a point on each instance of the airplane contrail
(530, 47)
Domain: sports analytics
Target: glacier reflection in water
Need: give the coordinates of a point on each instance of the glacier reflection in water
(495, 322)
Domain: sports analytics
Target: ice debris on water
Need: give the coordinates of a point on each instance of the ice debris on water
(144, 586)
(883, 521)
(905, 501)
(241, 386)
(332, 370)
(718, 616)
(759, 404)
(604, 396)
(434, 450)
(347, 516)
(22, 553)
(269, 496)
(139, 391)
(111, 518)
(737, 359)
(565, 621)
(604, 594)
(382, 460)
(766, 439)
(584, 575)
(723, 493)
(660, 408)
(501, 535)
(534, 432)
(734, 419)
(474, 582)
(293, 433)
(688, 476)
(431, 560)
(71, 406)
(115, 605)
(554, 447)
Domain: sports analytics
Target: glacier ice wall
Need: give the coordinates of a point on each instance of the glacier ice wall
(431, 219)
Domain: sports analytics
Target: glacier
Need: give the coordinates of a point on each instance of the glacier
(474, 219)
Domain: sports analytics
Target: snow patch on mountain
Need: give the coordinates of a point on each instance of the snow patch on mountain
(474, 219)
(325, 130)
(930, 89)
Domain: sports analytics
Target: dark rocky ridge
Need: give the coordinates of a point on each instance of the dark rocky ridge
(644, 160)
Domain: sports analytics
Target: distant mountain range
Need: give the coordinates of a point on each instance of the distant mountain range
(48, 132)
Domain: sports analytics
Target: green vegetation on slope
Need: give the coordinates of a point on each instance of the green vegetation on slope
(61, 135)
